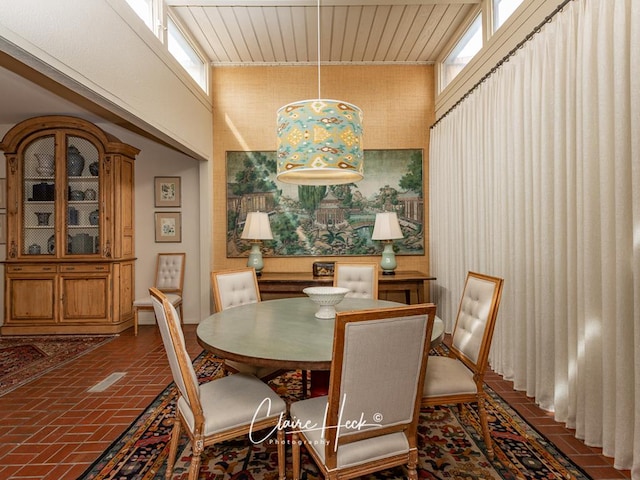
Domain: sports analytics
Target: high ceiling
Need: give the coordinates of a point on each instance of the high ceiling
(235, 32)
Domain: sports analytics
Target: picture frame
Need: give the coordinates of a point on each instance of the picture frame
(323, 269)
(321, 220)
(167, 191)
(3, 193)
(168, 227)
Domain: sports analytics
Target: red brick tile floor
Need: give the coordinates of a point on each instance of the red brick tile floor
(53, 428)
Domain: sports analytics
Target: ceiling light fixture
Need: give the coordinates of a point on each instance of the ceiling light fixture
(319, 141)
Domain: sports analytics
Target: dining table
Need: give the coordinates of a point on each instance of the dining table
(284, 334)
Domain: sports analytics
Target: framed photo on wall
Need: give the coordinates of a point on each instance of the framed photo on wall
(168, 227)
(167, 191)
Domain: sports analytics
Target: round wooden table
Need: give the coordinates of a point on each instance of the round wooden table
(282, 333)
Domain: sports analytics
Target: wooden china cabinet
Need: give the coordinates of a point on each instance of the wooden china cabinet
(70, 228)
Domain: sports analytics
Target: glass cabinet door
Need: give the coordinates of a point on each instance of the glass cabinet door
(82, 222)
(38, 193)
(76, 221)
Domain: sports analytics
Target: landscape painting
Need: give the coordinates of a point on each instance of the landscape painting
(334, 220)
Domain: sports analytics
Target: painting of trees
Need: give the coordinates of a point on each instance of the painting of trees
(326, 220)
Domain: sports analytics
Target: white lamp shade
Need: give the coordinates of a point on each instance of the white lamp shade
(386, 227)
(257, 227)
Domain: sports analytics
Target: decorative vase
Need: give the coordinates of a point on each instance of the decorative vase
(75, 162)
(89, 194)
(94, 169)
(43, 218)
(72, 216)
(94, 217)
(45, 163)
(34, 249)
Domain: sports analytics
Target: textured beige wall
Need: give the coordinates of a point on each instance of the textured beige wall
(398, 105)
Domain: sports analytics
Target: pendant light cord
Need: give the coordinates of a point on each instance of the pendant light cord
(318, 29)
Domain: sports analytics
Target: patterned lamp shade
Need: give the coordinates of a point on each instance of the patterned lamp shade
(320, 143)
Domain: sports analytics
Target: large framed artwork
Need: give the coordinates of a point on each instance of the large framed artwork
(326, 220)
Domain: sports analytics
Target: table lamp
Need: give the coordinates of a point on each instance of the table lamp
(387, 229)
(256, 229)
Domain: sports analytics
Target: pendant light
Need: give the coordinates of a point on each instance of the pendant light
(319, 141)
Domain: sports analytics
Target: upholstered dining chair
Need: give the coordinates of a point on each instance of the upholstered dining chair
(219, 410)
(232, 288)
(360, 278)
(459, 378)
(373, 405)
(169, 279)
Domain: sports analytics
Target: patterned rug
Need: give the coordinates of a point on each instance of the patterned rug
(23, 359)
(450, 445)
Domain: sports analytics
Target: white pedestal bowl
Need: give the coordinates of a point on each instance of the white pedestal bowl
(327, 298)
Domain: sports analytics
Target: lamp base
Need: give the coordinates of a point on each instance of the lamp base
(255, 258)
(388, 262)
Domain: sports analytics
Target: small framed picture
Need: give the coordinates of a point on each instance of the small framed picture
(323, 269)
(168, 227)
(167, 191)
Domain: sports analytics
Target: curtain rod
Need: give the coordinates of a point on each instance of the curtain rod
(504, 59)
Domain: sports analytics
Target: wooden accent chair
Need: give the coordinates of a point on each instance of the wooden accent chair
(232, 288)
(169, 280)
(373, 405)
(459, 378)
(360, 278)
(219, 410)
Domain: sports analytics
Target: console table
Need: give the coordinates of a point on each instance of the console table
(290, 284)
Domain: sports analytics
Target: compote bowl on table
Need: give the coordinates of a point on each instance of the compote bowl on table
(326, 298)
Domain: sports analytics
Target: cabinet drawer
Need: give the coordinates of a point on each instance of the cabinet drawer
(84, 268)
(31, 269)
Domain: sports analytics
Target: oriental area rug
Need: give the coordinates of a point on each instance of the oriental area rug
(25, 358)
(449, 441)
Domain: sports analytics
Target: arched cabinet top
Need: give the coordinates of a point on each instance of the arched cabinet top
(12, 139)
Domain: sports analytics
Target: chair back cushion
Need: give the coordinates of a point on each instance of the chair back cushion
(377, 371)
(182, 369)
(170, 272)
(476, 317)
(361, 279)
(235, 288)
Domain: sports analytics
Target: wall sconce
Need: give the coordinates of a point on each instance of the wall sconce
(387, 229)
(256, 229)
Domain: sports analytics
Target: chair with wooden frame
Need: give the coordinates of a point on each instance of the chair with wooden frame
(360, 278)
(232, 288)
(169, 280)
(216, 411)
(368, 421)
(459, 378)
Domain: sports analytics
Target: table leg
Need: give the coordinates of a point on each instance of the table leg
(319, 383)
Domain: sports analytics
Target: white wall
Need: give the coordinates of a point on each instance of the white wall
(156, 160)
(103, 51)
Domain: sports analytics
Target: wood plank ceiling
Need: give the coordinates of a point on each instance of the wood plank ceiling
(272, 32)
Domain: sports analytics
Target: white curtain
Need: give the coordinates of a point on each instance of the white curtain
(535, 177)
